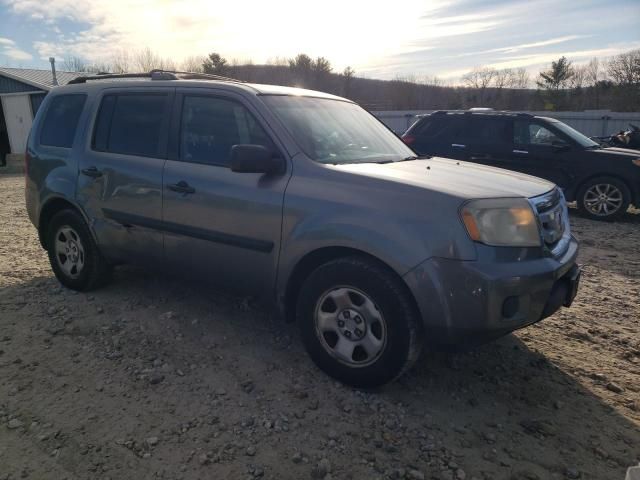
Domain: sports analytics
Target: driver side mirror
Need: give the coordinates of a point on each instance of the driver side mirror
(255, 159)
(560, 146)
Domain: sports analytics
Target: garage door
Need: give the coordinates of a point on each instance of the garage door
(17, 114)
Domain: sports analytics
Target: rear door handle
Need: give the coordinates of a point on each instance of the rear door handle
(458, 145)
(521, 151)
(181, 187)
(92, 172)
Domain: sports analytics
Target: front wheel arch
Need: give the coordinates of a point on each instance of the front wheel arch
(314, 259)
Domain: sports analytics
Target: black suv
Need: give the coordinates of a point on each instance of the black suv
(603, 181)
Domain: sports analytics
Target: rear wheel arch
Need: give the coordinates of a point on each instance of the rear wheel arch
(49, 210)
(314, 259)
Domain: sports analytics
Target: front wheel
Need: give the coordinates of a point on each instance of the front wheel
(604, 198)
(358, 322)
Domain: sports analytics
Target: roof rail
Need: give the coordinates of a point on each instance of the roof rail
(156, 74)
(196, 75)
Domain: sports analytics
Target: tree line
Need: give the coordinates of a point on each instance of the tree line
(611, 83)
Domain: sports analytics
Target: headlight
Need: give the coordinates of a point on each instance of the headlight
(502, 222)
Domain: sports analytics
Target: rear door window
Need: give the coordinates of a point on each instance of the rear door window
(484, 130)
(132, 124)
(61, 120)
(210, 126)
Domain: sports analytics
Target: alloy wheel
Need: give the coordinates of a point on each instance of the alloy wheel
(603, 199)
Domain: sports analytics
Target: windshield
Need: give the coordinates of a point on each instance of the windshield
(575, 135)
(337, 132)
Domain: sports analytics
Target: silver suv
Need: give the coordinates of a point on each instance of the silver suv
(300, 197)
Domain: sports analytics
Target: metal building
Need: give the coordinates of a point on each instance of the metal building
(21, 93)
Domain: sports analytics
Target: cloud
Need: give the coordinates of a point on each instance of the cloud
(16, 54)
(524, 46)
(373, 36)
(9, 49)
(354, 32)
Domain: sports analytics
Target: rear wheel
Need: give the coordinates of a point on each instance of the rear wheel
(604, 198)
(358, 322)
(73, 254)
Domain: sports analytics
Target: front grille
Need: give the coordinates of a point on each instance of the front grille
(553, 219)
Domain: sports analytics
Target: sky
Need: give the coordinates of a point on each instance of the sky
(379, 39)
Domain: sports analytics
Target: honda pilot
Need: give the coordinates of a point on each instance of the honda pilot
(302, 198)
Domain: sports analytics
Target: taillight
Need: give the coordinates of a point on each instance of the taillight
(408, 139)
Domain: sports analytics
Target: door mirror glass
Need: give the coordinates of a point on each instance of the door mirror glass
(255, 159)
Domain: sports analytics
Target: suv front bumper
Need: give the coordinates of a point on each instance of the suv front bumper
(471, 302)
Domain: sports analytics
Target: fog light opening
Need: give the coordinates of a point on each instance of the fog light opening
(510, 307)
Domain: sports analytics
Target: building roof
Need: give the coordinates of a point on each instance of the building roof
(40, 79)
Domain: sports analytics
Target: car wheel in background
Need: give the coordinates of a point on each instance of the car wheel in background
(603, 198)
(358, 322)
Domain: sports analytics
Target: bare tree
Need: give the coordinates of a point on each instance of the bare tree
(278, 61)
(99, 67)
(503, 78)
(521, 79)
(594, 75)
(624, 69)
(146, 60)
(579, 77)
(121, 62)
(433, 81)
(480, 78)
(347, 75)
(193, 64)
(74, 64)
(593, 72)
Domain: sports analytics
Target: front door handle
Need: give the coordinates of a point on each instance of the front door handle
(92, 172)
(181, 187)
(458, 145)
(524, 152)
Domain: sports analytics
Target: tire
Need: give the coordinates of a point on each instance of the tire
(358, 296)
(598, 194)
(68, 238)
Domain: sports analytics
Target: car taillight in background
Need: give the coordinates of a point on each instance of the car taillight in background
(408, 139)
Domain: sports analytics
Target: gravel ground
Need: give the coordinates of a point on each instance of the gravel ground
(158, 378)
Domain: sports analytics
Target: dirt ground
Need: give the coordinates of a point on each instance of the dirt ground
(159, 378)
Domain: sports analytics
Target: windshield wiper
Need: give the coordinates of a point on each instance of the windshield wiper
(415, 157)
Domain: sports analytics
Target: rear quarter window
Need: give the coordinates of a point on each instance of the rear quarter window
(61, 120)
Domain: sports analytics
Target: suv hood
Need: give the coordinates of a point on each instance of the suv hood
(461, 179)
